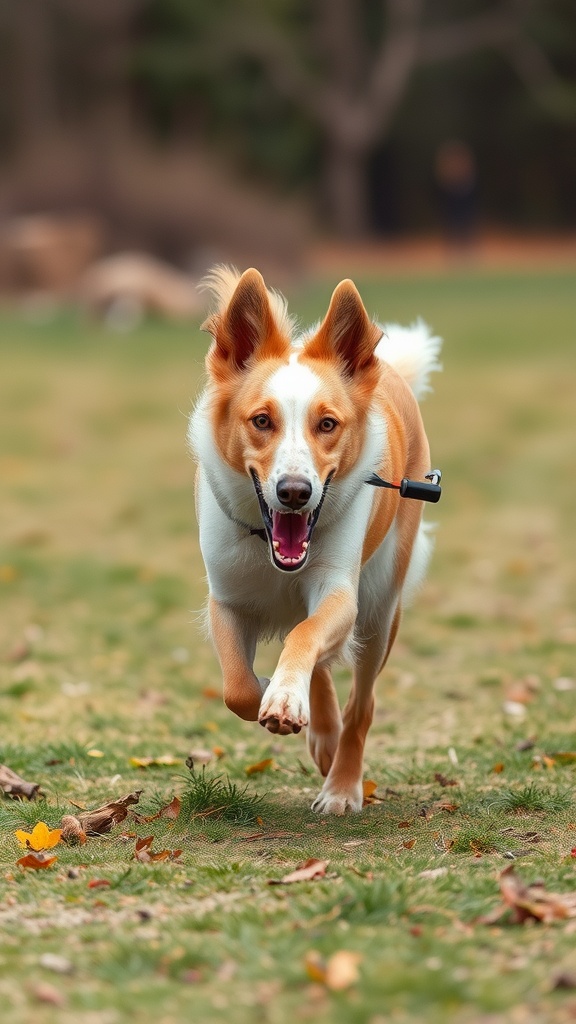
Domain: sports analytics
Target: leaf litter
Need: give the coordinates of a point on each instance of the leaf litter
(530, 902)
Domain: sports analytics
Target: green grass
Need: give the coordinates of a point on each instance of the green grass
(101, 649)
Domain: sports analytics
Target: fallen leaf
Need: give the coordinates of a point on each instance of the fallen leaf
(40, 838)
(219, 752)
(337, 973)
(530, 901)
(211, 694)
(95, 753)
(99, 883)
(498, 768)
(144, 855)
(37, 860)
(405, 824)
(342, 970)
(369, 793)
(408, 843)
(171, 810)
(261, 766)
(564, 757)
(308, 871)
(72, 831)
(101, 820)
(438, 777)
(164, 761)
(14, 786)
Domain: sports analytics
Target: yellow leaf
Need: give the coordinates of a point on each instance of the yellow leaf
(261, 766)
(498, 768)
(95, 753)
(369, 787)
(40, 838)
(165, 760)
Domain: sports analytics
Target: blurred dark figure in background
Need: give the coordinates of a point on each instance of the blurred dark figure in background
(457, 191)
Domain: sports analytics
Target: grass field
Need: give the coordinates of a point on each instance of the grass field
(102, 660)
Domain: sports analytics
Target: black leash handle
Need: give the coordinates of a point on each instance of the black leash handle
(413, 488)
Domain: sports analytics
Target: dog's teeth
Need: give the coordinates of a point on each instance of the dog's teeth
(304, 545)
(276, 545)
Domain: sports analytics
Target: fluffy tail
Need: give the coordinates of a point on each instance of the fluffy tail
(412, 351)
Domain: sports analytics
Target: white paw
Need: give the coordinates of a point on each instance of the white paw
(284, 710)
(333, 800)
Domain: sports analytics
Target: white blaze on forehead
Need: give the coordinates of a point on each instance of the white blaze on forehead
(293, 387)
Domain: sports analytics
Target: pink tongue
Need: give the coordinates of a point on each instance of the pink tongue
(290, 529)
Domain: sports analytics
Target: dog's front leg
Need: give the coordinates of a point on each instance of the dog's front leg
(285, 706)
(235, 644)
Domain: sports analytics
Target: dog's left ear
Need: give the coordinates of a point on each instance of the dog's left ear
(246, 324)
(346, 331)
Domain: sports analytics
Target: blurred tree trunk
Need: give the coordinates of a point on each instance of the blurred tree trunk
(35, 108)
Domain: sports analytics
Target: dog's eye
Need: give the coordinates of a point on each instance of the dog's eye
(327, 425)
(262, 421)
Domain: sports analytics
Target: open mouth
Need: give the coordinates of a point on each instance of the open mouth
(288, 533)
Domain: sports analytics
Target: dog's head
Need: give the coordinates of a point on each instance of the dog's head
(291, 418)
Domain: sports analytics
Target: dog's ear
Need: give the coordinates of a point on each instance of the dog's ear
(346, 331)
(245, 325)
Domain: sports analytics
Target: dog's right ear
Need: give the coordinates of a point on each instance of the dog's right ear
(244, 326)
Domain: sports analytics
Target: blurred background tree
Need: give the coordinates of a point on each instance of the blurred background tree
(342, 102)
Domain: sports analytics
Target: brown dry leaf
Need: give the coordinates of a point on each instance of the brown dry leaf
(99, 883)
(438, 777)
(211, 694)
(445, 805)
(37, 860)
(102, 819)
(261, 766)
(405, 824)
(564, 757)
(72, 831)
(16, 787)
(498, 768)
(408, 844)
(530, 901)
(164, 761)
(144, 855)
(171, 810)
(308, 871)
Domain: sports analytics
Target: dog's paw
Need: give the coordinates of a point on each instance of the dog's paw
(283, 711)
(337, 800)
(323, 746)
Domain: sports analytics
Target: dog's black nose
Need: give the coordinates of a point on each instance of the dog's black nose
(293, 491)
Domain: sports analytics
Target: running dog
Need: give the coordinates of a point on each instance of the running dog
(287, 434)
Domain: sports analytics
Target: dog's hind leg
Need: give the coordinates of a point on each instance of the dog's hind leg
(235, 644)
(342, 790)
(325, 719)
